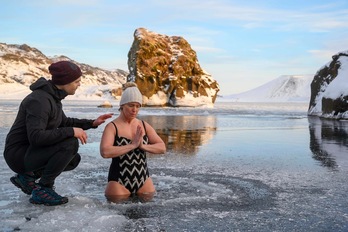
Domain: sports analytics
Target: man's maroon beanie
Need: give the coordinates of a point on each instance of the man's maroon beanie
(64, 72)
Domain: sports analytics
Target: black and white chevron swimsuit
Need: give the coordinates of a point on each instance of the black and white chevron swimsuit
(130, 169)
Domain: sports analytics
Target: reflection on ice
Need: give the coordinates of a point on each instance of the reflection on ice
(329, 141)
(184, 134)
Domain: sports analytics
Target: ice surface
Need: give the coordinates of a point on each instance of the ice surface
(233, 167)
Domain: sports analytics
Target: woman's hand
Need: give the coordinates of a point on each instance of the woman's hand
(138, 137)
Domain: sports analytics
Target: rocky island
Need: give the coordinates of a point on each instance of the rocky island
(167, 71)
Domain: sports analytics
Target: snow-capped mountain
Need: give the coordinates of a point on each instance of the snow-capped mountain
(286, 88)
(21, 65)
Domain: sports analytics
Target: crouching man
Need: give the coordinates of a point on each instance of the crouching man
(43, 141)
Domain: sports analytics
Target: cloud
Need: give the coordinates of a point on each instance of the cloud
(322, 54)
(250, 15)
(62, 3)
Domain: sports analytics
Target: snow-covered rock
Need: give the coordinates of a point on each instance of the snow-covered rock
(329, 89)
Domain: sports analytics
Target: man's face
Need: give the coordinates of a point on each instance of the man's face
(72, 87)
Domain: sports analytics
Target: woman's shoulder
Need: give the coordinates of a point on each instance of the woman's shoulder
(118, 122)
(111, 124)
(147, 125)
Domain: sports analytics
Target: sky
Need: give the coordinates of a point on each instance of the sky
(242, 44)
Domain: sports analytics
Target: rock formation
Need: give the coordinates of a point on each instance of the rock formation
(105, 104)
(329, 89)
(167, 71)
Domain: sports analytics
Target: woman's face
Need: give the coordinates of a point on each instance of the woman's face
(131, 109)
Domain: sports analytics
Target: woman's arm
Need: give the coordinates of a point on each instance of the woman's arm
(156, 144)
(107, 148)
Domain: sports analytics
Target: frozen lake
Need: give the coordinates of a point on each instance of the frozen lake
(233, 167)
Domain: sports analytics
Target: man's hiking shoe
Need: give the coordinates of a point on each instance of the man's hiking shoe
(25, 182)
(46, 196)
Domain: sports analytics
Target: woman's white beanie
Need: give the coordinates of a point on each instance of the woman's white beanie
(131, 94)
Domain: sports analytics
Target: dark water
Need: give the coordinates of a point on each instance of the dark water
(234, 167)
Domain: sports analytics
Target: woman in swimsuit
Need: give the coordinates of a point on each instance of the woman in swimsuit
(126, 140)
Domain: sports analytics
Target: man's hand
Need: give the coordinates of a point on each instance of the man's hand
(80, 134)
(101, 119)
